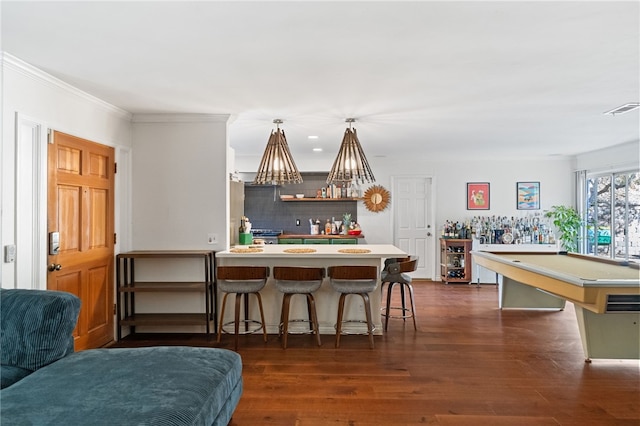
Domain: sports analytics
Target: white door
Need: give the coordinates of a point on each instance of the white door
(412, 221)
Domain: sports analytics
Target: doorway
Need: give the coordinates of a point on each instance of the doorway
(412, 221)
(80, 222)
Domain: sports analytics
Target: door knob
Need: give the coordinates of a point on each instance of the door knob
(428, 234)
(55, 267)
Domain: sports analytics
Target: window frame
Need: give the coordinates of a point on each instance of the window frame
(588, 202)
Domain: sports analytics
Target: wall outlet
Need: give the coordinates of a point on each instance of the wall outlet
(212, 238)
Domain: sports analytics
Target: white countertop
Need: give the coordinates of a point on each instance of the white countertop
(321, 250)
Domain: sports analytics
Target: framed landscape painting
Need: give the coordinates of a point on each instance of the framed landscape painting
(528, 195)
(478, 196)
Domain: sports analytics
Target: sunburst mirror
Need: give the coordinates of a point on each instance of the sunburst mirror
(376, 198)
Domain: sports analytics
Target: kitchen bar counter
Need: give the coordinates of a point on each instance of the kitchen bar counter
(326, 298)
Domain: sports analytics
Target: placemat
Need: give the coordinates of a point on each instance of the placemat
(354, 251)
(300, 250)
(246, 250)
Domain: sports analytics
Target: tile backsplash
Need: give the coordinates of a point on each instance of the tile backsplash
(263, 207)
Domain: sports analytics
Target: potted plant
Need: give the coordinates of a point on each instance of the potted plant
(568, 222)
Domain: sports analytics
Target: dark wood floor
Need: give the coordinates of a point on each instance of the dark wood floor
(468, 364)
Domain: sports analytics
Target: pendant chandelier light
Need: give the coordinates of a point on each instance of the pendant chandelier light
(351, 163)
(277, 166)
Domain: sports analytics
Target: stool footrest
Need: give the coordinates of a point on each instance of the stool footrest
(397, 308)
(240, 331)
(348, 332)
(296, 330)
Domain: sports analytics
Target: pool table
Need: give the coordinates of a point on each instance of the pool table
(606, 295)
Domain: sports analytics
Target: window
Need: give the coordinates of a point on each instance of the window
(612, 215)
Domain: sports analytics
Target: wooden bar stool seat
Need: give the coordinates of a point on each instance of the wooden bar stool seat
(242, 281)
(298, 280)
(396, 271)
(360, 280)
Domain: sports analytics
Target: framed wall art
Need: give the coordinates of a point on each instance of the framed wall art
(528, 195)
(478, 196)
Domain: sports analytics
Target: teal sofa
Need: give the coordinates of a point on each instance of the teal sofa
(44, 382)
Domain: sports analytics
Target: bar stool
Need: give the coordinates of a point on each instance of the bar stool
(242, 281)
(396, 272)
(360, 280)
(384, 273)
(298, 280)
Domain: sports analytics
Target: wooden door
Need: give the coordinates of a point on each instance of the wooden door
(412, 222)
(81, 210)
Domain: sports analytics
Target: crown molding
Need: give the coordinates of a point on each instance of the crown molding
(180, 118)
(11, 62)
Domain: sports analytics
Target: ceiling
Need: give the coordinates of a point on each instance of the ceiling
(477, 79)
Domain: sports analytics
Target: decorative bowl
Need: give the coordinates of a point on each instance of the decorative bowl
(354, 231)
(299, 195)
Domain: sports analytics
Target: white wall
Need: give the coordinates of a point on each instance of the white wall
(449, 188)
(180, 181)
(617, 158)
(49, 104)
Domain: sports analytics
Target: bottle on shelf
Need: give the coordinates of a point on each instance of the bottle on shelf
(529, 229)
(355, 190)
(315, 226)
(242, 229)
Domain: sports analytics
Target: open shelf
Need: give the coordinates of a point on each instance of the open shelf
(455, 260)
(319, 199)
(127, 287)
